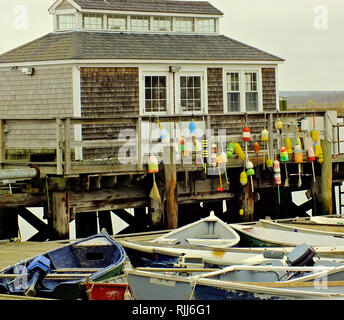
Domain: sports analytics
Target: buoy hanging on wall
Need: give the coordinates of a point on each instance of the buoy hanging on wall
(298, 160)
(243, 178)
(277, 178)
(239, 152)
(250, 173)
(264, 137)
(288, 145)
(246, 134)
(284, 157)
(230, 150)
(153, 164)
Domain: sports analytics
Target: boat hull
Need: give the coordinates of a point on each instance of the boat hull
(106, 291)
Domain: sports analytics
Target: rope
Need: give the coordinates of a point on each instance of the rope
(193, 285)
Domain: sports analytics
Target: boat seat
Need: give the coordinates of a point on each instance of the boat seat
(207, 236)
(76, 270)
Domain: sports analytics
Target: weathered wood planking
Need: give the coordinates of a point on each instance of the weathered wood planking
(47, 94)
(215, 90)
(108, 92)
(269, 89)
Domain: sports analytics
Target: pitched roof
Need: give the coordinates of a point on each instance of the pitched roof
(110, 45)
(196, 7)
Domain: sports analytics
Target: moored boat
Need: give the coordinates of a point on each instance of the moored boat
(210, 232)
(62, 273)
(264, 233)
(300, 278)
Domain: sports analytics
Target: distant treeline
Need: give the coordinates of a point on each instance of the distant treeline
(298, 97)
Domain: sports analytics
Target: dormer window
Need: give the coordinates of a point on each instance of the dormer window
(184, 24)
(205, 25)
(66, 22)
(161, 24)
(140, 23)
(93, 21)
(117, 23)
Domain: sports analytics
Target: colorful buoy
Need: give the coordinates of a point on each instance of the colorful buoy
(277, 178)
(230, 150)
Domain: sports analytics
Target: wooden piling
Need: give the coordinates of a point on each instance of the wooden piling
(170, 170)
(326, 178)
(60, 215)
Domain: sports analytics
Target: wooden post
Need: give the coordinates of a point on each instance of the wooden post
(170, 170)
(326, 178)
(60, 215)
(139, 144)
(248, 202)
(2, 141)
(67, 155)
(59, 169)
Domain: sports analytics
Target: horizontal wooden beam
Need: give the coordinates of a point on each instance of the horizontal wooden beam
(21, 199)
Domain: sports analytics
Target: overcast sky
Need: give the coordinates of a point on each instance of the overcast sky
(308, 34)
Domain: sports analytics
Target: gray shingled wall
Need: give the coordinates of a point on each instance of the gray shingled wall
(46, 94)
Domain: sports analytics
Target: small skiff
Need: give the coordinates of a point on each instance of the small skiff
(210, 231)
(61, 273)
(266, 233)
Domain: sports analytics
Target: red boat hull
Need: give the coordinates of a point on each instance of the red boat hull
(106, 291)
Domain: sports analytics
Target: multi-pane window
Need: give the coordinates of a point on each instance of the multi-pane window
(66, 22)
(184, 24)
(155, 94)
(140, 23)
(233, 91)
(190, 93)
(251, 88)
(117, 23)
(206, 25)
(93, 21)
(162, 24)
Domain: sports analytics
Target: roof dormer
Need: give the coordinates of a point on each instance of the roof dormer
(156, 16)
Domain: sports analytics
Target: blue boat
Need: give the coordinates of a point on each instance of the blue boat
(62, 273)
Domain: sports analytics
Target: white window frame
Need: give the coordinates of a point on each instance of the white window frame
(242, 72)
(65, 15)
(230, 91)
(177, 19)
(93, 14)
(117, 16)
(140, 17)
(252, 91)
(158, 19)
(199, 20)
(143, 93)
(179, 109)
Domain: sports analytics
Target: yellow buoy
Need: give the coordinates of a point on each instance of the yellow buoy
(315, 135)
(288, 145)
(243, 178)
(238, 151)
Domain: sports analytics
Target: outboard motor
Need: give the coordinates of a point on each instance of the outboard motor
(301, 256)
(38, 268)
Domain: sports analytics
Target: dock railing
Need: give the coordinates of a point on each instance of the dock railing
(68, 147)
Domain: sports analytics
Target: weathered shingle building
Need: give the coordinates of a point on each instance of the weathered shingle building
(122, 64)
